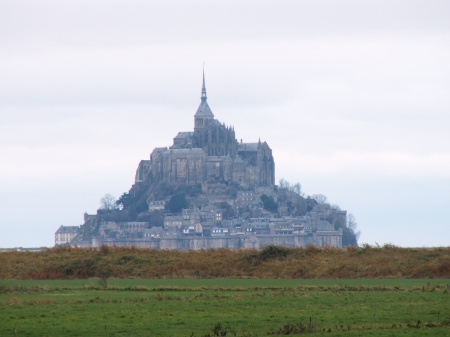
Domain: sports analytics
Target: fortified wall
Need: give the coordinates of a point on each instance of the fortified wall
(319, 239)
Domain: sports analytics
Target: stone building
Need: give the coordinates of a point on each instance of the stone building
(209, 154)
(65, 234)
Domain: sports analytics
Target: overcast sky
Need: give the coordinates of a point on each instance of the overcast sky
(352, 97)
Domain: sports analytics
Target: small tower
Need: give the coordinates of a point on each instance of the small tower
(204, 112)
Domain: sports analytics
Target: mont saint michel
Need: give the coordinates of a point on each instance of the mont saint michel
(209, 190)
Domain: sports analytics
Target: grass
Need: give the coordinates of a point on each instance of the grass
(231, 307)
(371, 291)
(271, 262)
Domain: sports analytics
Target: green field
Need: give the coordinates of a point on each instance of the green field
(219, 307)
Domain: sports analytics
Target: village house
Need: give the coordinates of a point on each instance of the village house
(157, 205)
(65, 234)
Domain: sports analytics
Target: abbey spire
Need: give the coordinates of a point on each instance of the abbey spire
(204, 112)
(204, 87)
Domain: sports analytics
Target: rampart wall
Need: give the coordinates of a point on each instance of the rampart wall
(231, 242)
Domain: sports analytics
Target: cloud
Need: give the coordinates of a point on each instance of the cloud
(369, 163)
(106, 23)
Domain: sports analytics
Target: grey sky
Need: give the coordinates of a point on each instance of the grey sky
(352, 96)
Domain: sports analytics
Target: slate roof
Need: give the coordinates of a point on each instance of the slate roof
(68, 229)
(185, 151)
(247, 147)
(182, 135)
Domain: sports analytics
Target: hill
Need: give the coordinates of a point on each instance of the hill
(209, 190)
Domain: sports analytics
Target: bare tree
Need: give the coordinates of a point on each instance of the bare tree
(351, 223)
(283, 183)
(108, 202)
(297, 188)
(350, 233)
(320, 198)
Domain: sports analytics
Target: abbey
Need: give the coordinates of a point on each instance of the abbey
(209, 154)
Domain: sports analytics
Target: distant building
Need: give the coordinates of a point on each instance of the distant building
(157, 205)
(65, 234)
(173, 221)
(222, 181)
(153, 232)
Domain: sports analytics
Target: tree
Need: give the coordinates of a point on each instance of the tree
(297, 188)
(108, 202)
(269, 203)
(176, 203)
(228, 212)
(283, 183)
(124, 201)
(320, 198)
(350, 233)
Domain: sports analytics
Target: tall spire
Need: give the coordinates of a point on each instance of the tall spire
(204, 86)
(203, 111)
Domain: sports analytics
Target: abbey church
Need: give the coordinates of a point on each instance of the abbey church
(209, 154)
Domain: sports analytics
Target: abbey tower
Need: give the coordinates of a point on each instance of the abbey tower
(204, 113)
(209, 154)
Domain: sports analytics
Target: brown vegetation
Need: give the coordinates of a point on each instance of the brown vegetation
(271, 262)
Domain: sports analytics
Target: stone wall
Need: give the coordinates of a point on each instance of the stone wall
(333, 239)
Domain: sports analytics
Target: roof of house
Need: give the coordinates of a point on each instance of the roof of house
(68, 229)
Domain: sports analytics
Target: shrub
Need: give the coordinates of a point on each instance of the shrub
(274, 252)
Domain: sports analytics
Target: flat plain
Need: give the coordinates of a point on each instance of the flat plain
(225, 307)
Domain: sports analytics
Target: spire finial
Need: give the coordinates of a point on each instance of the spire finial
(204, 86)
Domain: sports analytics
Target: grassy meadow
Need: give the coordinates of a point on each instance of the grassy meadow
(383, 291)
(225, 307)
